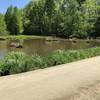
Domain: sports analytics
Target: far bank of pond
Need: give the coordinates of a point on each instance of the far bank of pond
(43, 45)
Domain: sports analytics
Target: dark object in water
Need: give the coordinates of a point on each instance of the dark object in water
(16, 45)
(87, 41)
(19, 46)
(74, 41)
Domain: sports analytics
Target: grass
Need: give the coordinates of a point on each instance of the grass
(18, 62)
(23, 37)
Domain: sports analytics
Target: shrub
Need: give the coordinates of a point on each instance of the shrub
(38, 62)
(15, 62)
(62, 57)
(18, 62)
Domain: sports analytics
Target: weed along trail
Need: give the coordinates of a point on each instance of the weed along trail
(55, 83)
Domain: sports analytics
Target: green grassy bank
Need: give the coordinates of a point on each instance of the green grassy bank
(23, 37)
(18, 62)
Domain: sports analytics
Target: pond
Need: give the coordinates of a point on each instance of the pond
(43, 46)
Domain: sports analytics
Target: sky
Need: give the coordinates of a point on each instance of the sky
(4, 4)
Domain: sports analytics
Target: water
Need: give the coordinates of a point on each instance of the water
(43, 46)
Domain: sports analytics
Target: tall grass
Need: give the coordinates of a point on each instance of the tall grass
(18, 62)
(14, 63)
(62, 57)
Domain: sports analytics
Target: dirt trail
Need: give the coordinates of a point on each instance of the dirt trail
(89, 93)
(55, 83)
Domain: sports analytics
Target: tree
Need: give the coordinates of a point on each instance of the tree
(72, 14)
(17, 21)
(81, 2)
(33, 14)
(69, 18)
(97, 24)
(3, 28)
(97, 28)
(8, 19)
(13, 20)
(90, 11)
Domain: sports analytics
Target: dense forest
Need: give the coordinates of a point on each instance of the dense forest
(64, 18)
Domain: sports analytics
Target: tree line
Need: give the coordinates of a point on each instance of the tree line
(64, 18)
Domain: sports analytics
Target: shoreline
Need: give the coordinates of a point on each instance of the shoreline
(14, 37)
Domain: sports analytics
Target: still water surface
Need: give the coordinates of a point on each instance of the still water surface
(43, 47)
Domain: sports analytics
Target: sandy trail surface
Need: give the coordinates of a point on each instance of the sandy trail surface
(73, 81)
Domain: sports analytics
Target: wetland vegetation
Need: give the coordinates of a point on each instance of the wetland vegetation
(18, 62)
(49, 32)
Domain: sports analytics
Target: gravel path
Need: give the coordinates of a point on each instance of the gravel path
(73, 81)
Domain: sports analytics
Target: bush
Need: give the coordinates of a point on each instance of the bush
(38, 62)
(18, 62)
(15, 62)
(62, 57)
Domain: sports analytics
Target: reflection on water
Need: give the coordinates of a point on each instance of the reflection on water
(43, 47)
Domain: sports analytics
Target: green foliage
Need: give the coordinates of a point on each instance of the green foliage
(62, 57)
(18, 62)
(68, 18)
(15, 63)
(3, 28)
(97, 24)
(64, 18)
(13, 19)
(97, 28)
(32, 14)
(38, 62)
